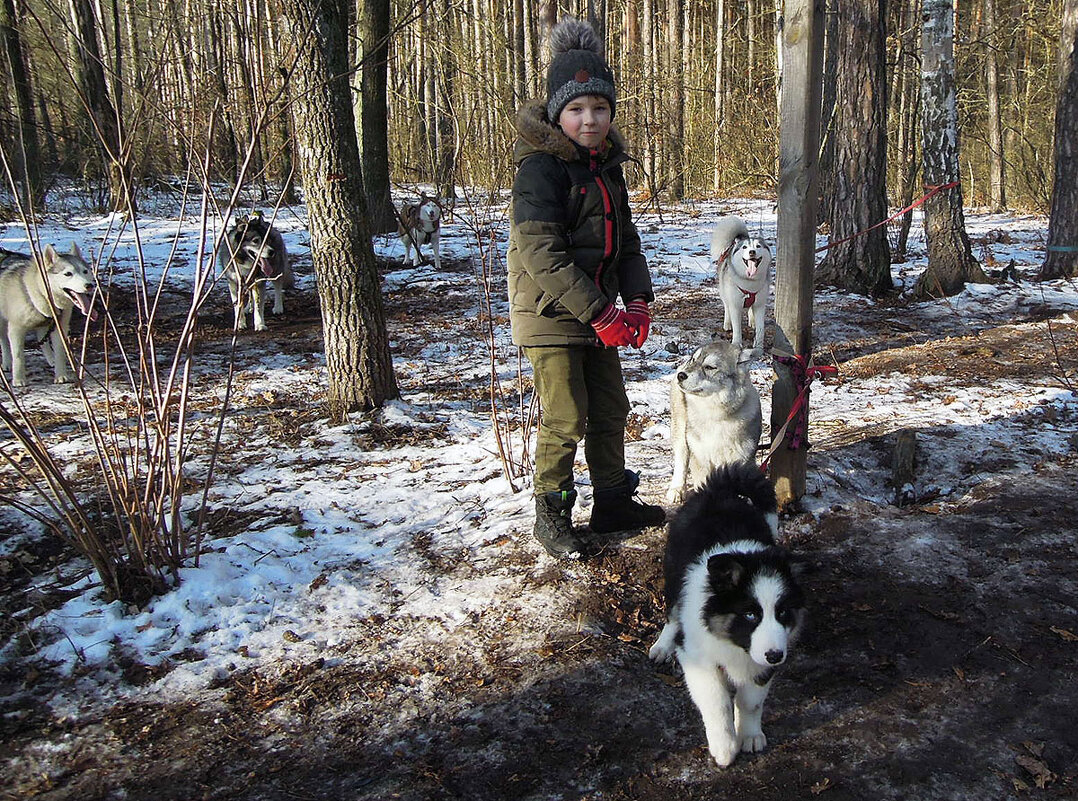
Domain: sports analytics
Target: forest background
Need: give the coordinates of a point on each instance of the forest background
(184, 82)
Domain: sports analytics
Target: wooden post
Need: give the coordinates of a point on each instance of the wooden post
(801, 39)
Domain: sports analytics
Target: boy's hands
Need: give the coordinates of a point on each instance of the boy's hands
(639, 318)
(614, 328)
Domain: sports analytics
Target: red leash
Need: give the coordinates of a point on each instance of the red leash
(933, 190)
(804, 371)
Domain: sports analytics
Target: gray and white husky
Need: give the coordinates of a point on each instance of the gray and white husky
(734, 607)
(421, 224)
(38, 295)
(743, 264)
(715, 416)
(252, 253)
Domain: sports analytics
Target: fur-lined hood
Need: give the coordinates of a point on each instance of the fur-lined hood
(538, 134)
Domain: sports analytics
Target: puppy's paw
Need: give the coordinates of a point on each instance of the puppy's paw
(724, 751)
(753, 743)
(674, 496)
(663, 649)
(660, 652)
(62, 379)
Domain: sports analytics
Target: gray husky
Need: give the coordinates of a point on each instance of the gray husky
(715, 416)
(743, 264)
(253, 252)
(421, 224)
(38, 295)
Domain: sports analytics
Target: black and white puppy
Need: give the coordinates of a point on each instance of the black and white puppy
(733, 605)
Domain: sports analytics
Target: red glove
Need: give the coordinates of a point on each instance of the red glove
(640, 319)
(613, 327)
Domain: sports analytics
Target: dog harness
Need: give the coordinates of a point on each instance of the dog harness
(750, 297)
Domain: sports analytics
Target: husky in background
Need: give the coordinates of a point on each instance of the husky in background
(734, 607)
(715, 416)
(254, 253)
(421, 224)
(743, 264)
(38, 295)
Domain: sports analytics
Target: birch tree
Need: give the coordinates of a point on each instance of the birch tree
(950, 258)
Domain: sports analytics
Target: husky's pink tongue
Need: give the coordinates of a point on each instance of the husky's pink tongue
(267, 268)
(750, 269)
(85, 302)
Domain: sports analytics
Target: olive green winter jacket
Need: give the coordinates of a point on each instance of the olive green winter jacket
(572, 243)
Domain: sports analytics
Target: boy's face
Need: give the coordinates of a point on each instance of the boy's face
(586, 120)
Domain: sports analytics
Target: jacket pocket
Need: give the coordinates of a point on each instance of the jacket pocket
(548, 306)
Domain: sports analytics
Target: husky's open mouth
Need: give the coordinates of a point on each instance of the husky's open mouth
(85, 302)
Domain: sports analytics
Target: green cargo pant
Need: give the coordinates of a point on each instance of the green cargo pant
(582, 396)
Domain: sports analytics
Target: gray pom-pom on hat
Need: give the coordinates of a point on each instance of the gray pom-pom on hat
(577, 67)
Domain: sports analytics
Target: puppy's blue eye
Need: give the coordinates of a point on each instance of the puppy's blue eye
(750, 617)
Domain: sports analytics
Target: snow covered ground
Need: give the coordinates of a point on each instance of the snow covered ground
(347, 524)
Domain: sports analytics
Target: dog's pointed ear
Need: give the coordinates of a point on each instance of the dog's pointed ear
(50, 254)
(75, 249)
(725, 570)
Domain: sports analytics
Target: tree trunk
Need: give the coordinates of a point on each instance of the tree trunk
(1062, 257)
(28, 163)
(908, 111)
(996, 177)
(950, 258)
(104, 122)
(445, 165)
(676, 157)
(859, 258)
(802, 79)
(353, 321)
(373, 35)
(828, 122)
(720, 69)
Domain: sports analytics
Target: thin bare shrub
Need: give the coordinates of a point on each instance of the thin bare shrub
(140, 514)
(512, 418)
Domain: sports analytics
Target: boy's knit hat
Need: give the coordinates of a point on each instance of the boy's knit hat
(577, 67)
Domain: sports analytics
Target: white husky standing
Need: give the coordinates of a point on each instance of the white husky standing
(39, 298)
(743, 264)
(715, 416)
(421, 224)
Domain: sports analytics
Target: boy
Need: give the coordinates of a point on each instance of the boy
(572, 250)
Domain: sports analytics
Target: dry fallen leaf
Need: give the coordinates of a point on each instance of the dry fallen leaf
(821, 786)
(1042, 776)
(1069, 636)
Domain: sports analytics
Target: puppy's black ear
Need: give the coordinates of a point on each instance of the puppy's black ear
(725, 570)
(799, 565)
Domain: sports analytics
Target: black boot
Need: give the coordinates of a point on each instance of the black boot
(614, 509)
(554, 523)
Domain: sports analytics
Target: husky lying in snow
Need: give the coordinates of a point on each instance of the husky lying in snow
(38, 295)
(734, 607)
